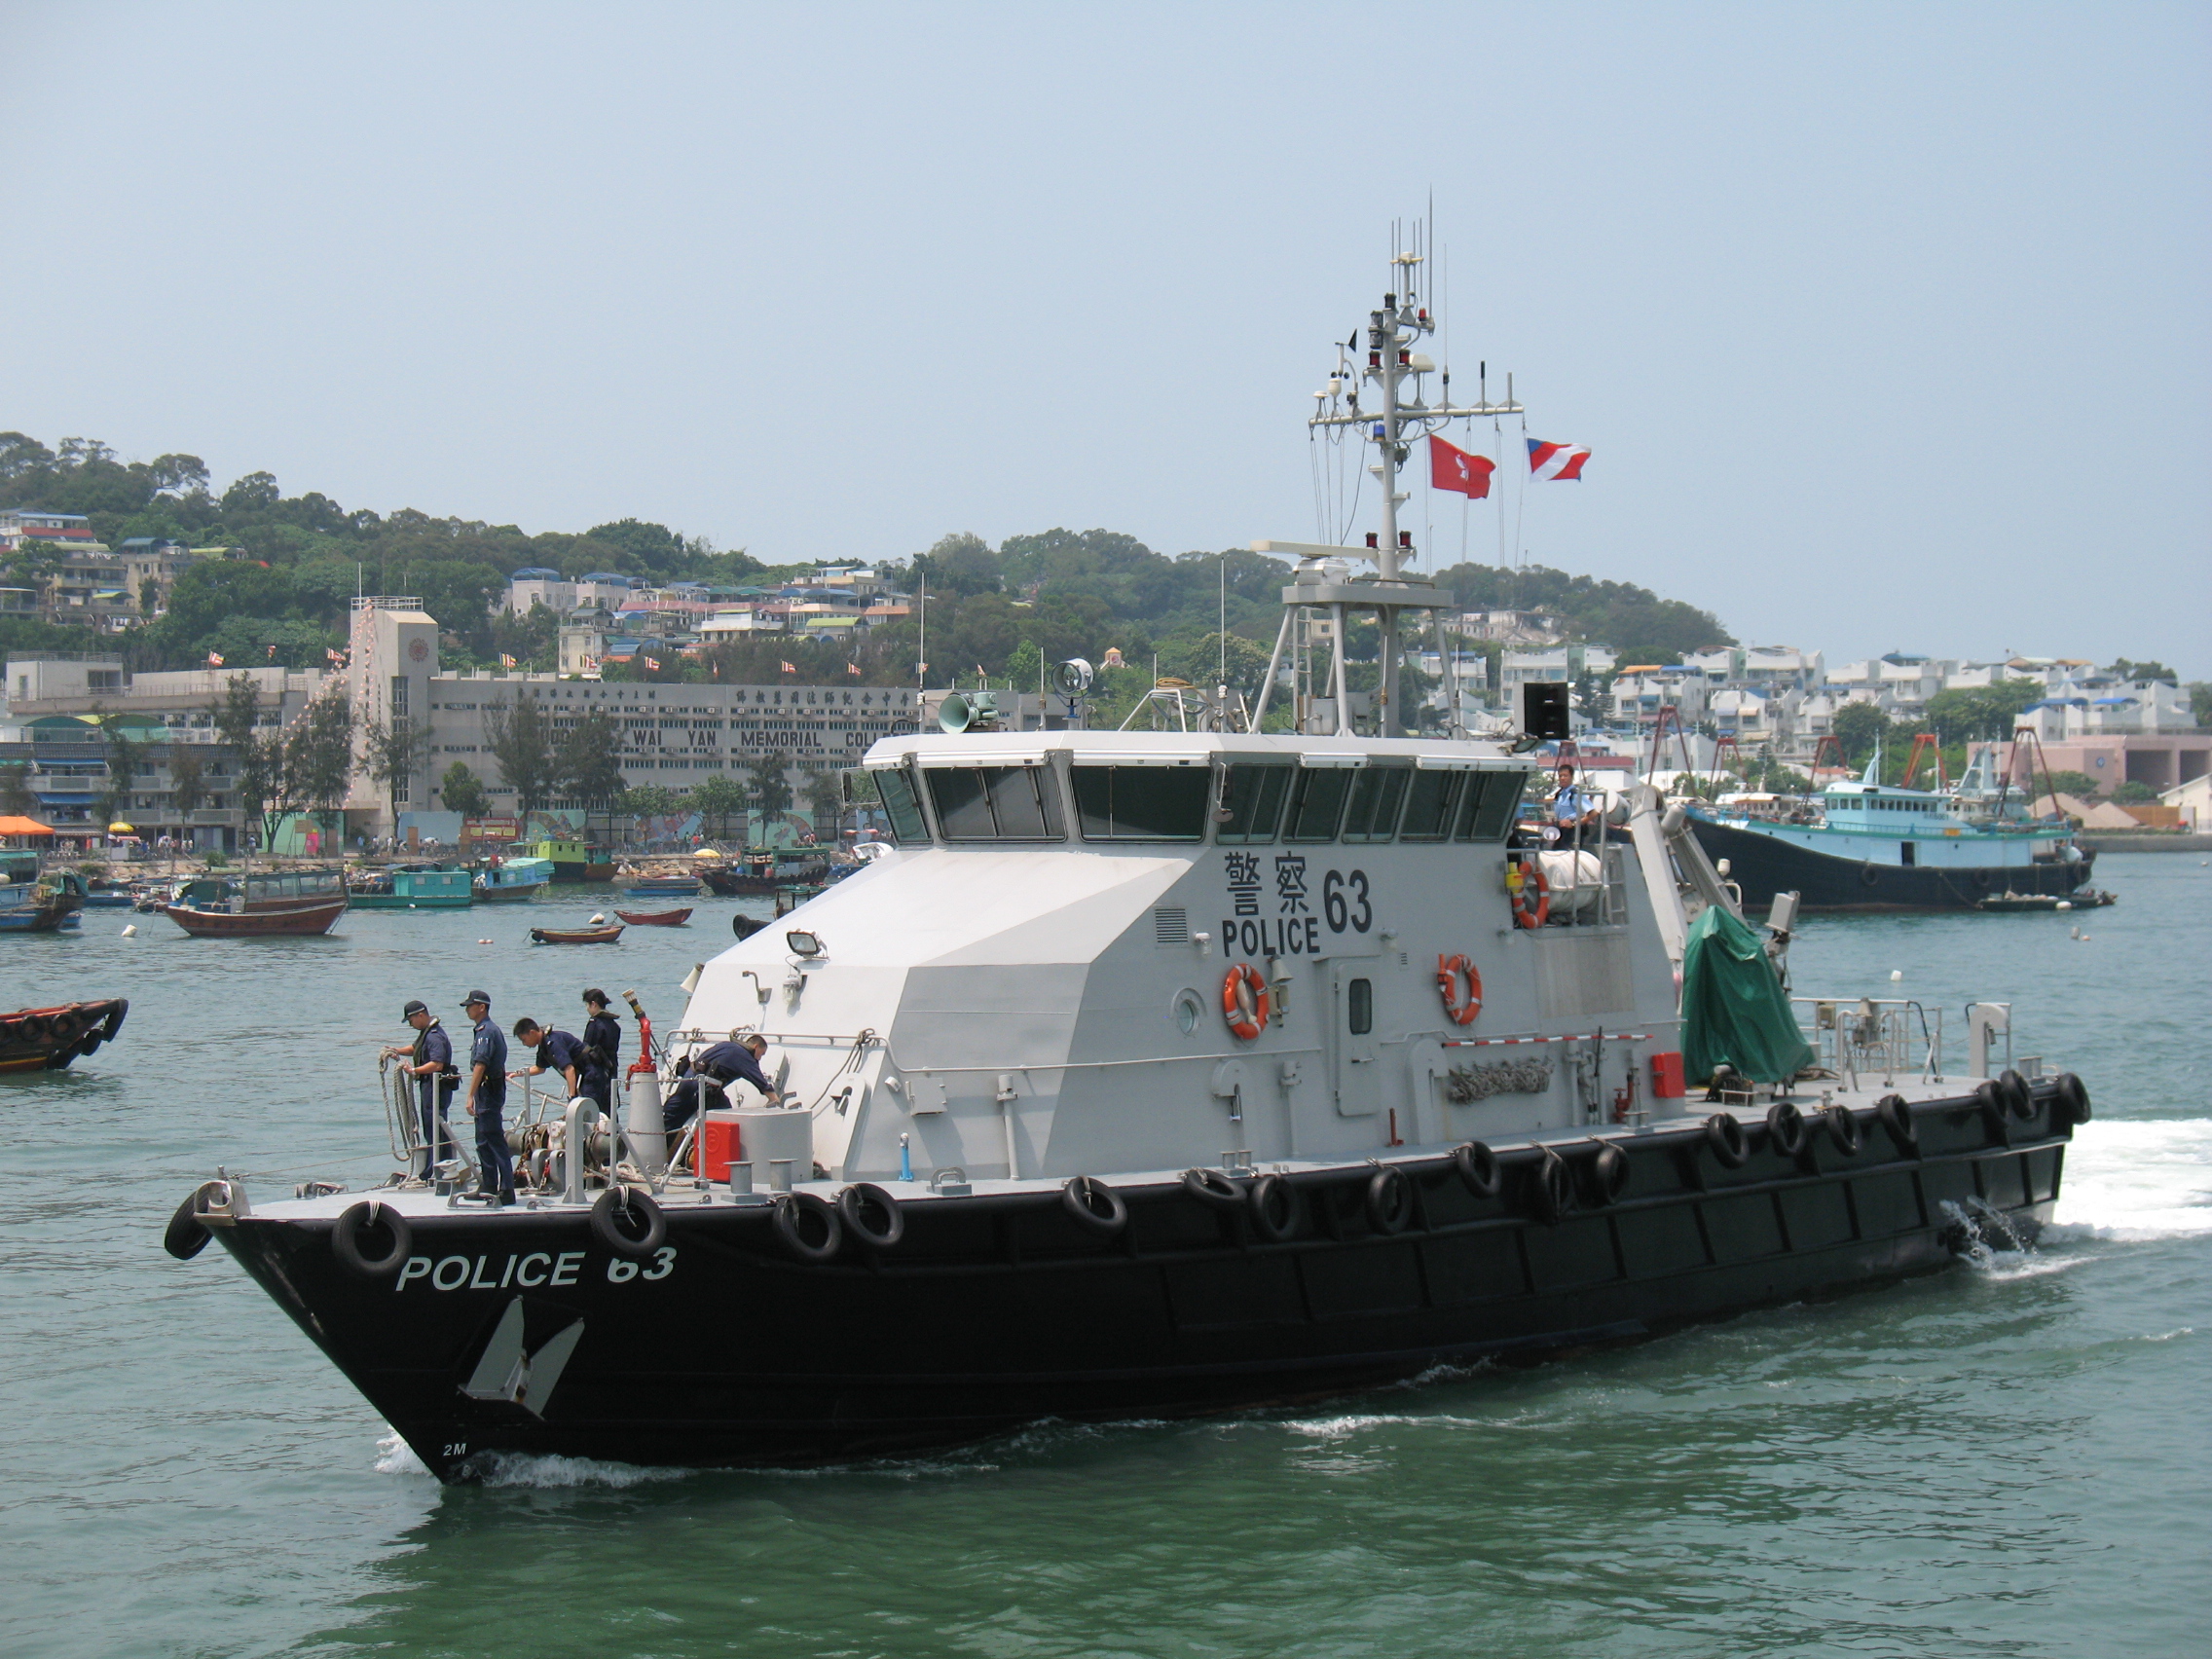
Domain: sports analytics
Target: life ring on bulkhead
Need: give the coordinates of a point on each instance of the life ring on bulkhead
(1245, 1001)
(1450, 972)
(1527, 912)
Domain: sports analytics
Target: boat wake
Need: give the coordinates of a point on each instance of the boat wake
(394, 1456)
(2136, 1182)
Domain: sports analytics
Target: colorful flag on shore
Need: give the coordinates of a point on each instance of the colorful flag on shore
(653, 663)
(214, 660)
(1556, 460)
(790, 668)
(506, 661)
(334, 656)
(852, 668)
(1451, 467)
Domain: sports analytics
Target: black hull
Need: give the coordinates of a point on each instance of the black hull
(1763, 867)
(997, 1311)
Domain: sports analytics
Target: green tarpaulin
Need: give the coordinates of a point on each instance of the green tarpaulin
(1734, 1011)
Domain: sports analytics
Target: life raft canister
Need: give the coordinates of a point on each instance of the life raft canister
(1245, 1001)
(1450, 971)
(1530, 892)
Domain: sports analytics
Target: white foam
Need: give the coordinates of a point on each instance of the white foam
(547, 1470)
(394, 1456)
(2131, 1182)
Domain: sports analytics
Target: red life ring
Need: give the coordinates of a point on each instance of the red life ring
(1448, 969)
(1245, 1001)
(1531, 912)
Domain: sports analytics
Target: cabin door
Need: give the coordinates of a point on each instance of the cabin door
(1355, 1062)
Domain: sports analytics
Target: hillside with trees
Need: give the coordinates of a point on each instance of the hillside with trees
(999, 612)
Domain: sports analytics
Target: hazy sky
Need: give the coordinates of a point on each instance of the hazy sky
(1887, 323)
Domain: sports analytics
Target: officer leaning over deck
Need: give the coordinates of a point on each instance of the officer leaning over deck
(706, 1074)
(429, 1061)
(487, 1101)
(557, 1051)
(603, 1050)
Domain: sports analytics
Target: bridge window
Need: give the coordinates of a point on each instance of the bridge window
(1253, 798)
(901, 808)
(1317, 803)
(1143, 804)
(995, 803)
(1430, 799)
(1486, 812)
(1376, 798)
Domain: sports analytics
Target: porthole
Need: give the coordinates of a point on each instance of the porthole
(1189, 1009)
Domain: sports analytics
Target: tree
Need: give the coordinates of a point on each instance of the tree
(771, 789)
(591, 759)
(2122, 669)
(1025, 665)
(260, 780)
(319, 754)
(2134, 792)
(522, 740)
(391, 756)
(113, 801)
(825, 799)
(648, 800)
(2078, 785)
(1986, 713)
(462, 790)
(187, 781)
(717, 797)
(1857, 728)
(16, 798)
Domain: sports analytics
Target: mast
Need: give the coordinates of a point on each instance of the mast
(1401, 322)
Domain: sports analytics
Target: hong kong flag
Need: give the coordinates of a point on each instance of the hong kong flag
(1556, 460)
(1451, 467)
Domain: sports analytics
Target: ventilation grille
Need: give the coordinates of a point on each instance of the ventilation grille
(1170, 925)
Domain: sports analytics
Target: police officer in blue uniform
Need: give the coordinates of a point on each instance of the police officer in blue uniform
(603, 1050)
(708, 1071)
(429, 1061)
(487, 1100)
(557, 1051)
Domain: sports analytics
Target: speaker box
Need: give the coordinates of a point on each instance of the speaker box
(1544, 710)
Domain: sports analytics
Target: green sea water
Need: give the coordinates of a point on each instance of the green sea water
(2007, 1458)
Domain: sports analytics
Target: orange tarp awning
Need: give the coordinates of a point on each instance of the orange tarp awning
(25, 827)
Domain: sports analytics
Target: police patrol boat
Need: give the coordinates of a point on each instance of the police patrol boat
(1153, 1073)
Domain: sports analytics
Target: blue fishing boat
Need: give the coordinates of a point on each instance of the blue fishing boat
(1872, 846)
(513, 880)
(419, 889)
(35, 903)
(663, 887)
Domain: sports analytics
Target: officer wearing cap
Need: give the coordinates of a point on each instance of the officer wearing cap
(488, 1099)
(429, 1061)
(603, 1050)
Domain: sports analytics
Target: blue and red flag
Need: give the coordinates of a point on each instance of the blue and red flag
(1556, 460)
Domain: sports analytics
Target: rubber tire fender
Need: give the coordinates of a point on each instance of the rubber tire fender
(1267, 1195)
(2073, 1098)
(184, 1237)
(1079, 1196)
(785, 1219)
(1786, 1128)
(853, 1206)
(32, 1026)
(1551, 1187)
(2019, 1098)
(1724, 1135)
(1478, 1168)
(604, 1230)
(1896, 1119)
(1842, 1127)
(345, 1239)
(1608, 1174)
(1390, 1201)
(66, 1025)
(1990, 1098)
(1212, 1187)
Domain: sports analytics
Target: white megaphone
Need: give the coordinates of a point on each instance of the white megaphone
(976, 712)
